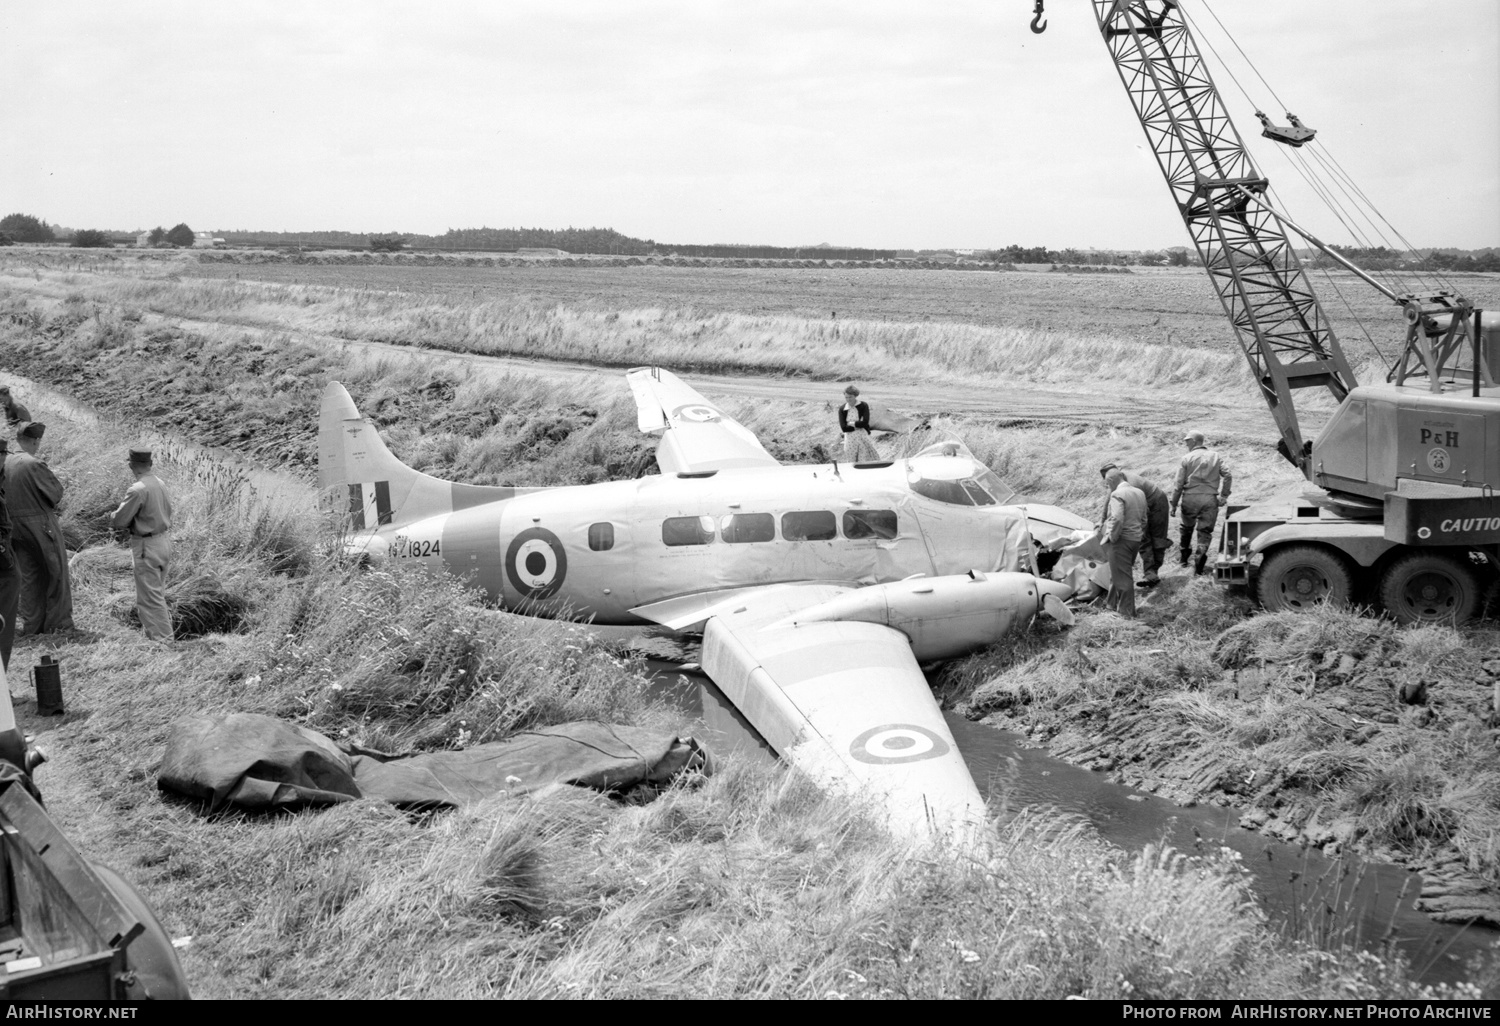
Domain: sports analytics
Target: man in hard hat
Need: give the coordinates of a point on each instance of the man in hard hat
(1154, 548)
(10, 573)
(1203, 483)
(1124, 529)
(33, 493)
(146, 516)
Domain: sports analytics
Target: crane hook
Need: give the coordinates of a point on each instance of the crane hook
(1037, 24)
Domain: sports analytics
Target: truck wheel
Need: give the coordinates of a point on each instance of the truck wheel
(1302, 577)
(151, 957)
(1428, 587)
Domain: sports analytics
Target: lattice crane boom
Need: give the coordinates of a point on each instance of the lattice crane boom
(1278, 322)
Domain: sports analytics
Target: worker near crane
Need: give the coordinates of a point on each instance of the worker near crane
(1203, 483)
(1124, 530)
(1158, 540)
(10, 573)
(33, 493)
(146, 516)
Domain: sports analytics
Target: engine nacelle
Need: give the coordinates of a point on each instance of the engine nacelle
(947, 616)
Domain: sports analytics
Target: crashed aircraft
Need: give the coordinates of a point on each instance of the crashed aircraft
(819, 589)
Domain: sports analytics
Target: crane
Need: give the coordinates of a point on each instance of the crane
(1407, 468)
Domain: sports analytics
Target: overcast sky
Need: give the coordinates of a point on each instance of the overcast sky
(918, 123)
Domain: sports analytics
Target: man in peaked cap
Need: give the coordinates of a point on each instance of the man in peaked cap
(10, 573)
(33, 493)
(146, 515)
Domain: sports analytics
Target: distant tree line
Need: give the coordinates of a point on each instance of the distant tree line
(775, 252)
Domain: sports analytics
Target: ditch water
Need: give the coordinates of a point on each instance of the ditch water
(1368, 901)
(1349, 901)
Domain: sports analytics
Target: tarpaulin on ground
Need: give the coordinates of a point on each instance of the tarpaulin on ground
(259, 762)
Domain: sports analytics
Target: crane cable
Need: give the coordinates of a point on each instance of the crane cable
(1341, 180)
(1340, 177)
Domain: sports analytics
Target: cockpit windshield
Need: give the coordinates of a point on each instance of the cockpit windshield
(957, 480)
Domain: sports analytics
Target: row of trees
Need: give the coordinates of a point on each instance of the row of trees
(27, 228)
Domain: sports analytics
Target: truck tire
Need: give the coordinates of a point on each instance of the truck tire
(1430, 587)
(150, 957)
(1302, 577)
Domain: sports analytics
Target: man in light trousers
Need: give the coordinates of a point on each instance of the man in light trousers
(1124, 530)
(146, 514)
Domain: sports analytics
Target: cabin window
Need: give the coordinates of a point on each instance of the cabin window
(687, 530)
(601, 537)
(809, 525)
(747, 527)
(870, 523)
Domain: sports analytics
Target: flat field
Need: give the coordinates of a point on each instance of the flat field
(1159, 306)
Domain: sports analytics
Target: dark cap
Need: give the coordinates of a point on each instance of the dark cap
(32, 430)
(141, 456)
(1111, 465)
(4, 390)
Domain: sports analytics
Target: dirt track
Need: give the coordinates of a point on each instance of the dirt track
(1008, 403)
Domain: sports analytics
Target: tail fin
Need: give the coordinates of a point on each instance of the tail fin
(365, 478)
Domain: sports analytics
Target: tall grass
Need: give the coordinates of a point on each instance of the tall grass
(749, 883)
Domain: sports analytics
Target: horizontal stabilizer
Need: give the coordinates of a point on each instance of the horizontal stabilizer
(695, 435)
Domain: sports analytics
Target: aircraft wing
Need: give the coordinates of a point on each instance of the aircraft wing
(695, 435)
(846, 703)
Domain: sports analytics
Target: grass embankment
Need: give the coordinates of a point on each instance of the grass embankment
(683, 338)
(750, 883)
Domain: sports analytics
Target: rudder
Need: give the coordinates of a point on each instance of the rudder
(359, 476)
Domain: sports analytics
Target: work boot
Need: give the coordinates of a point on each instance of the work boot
(1200, 561)
(1148, 583)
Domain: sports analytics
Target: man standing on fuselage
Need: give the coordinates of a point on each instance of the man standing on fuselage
(1203, 484)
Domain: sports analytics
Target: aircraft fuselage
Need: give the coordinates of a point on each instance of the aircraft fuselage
(598, 551)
